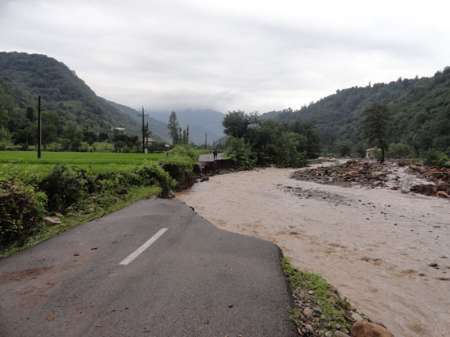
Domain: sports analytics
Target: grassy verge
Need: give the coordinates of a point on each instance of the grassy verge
(319, 310)
(97, 210)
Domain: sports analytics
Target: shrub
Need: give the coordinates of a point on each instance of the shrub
(437, 158)
(400, 151)
(184, 151)
(344, 148)
(153, 174)
(21, 211)
(238, 150)
(66, 186)
(286, 150)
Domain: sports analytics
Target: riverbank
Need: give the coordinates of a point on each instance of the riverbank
(386, 251)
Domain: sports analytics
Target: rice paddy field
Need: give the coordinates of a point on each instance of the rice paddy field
(25, 166)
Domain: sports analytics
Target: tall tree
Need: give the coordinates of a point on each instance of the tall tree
(375, 121)
(236, 123)
(173, 127)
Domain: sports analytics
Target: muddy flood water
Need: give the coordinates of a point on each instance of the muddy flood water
(388, 252)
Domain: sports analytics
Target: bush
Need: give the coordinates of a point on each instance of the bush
(102, 147)
(21, 211)
(184, 151)
(65, 186)
(286, 150)
(153, 174)
(437, 158)
(238, 150)
(400, 151)
(344, 149)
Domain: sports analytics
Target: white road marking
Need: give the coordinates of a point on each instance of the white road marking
(130, 258)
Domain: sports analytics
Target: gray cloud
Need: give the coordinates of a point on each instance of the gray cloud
(254, 55)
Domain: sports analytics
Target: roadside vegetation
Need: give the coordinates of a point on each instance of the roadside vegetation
(318, 310)
(39, 199)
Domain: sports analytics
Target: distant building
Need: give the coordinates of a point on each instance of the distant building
(372, 153)
(119, 129)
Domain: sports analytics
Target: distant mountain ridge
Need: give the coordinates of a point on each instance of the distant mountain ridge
(67, 100)
(200, 121)
(158, 128)
(419, 108)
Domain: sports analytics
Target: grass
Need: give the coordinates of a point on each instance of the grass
(311, 288)
(74, 219)
(115, 190)
(25, 166)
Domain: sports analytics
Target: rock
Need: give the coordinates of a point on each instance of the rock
(308, 312)
(442, 194)
(427, 189)
(368, 329)
(52, 220)
(309, 328)
(355, 316)
(340, 334)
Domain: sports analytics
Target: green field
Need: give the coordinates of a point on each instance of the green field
(80, 186)
(25, 166)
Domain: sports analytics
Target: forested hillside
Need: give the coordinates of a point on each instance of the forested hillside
(419, 112)
(70, 108)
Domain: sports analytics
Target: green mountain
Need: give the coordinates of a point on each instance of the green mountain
(158, 128)
(419, 110)
(69, 106)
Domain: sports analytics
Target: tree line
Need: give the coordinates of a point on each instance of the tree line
(255, 141)
(178, 134)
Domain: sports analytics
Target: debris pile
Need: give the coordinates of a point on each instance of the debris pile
(407, 177)
(439, 180)
(353, 172)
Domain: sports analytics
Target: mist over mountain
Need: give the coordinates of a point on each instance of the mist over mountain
(200, 121)
(158, 128)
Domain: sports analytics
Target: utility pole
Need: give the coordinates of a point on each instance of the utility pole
(206, 140)
(39, 129)
(143, 129)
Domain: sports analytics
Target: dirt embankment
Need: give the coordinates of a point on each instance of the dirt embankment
(387, 251)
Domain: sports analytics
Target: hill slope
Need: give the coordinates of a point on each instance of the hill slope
(27, 76)
(157, 127)
(420, 111)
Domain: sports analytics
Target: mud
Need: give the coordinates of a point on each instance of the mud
(376, 246)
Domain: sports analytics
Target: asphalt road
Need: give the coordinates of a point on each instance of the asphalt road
(187, 279)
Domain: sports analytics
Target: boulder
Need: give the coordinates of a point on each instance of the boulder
(442, 194)
(368, 329)
(52, 220)
(340, 334)
(427, 189)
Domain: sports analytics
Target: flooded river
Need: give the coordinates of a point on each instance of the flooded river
(388, 252)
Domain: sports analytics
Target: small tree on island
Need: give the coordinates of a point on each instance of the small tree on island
(375, 122)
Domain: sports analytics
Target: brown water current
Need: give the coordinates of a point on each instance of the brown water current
(388, 252)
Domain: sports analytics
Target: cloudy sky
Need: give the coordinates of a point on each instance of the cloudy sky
(255, 55)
